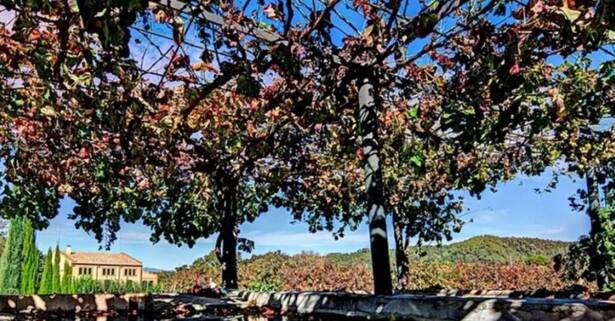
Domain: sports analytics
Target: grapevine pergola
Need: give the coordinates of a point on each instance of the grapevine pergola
(367, 107)
(369, 124)
(286, 105)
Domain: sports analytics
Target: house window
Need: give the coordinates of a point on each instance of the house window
(85, 271)
(108, 271)
(130, 272)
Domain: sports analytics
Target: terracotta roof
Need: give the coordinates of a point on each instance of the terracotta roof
(102, 258)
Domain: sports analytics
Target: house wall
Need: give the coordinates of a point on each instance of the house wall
(150, 277)
(92, 271)
(62, 261)
(109, 272)
(102, 272)
(132, 273)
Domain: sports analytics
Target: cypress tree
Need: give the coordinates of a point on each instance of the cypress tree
(67, 279)
(56, 280)
(31, 257)
(41, 267)
(47, 278)
(11, 260)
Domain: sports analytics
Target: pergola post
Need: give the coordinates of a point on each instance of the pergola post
(374, 188)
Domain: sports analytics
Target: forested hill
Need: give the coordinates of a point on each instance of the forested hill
(485, 248)
(490, 248)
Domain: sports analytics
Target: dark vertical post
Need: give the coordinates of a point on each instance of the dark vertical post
(402, 263)
(593, 199)
(229, 255)
(375, 191)
(229, 238)
(597, 259)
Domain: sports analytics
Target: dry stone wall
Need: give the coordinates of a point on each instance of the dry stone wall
(420, 307)
(431, 307)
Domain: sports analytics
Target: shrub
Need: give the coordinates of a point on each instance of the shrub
(307, 271)
(87, 285)
(12, 258)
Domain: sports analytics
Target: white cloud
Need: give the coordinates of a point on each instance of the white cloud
(535, 229)
(134, 237)
(299, 241)
(488, 215)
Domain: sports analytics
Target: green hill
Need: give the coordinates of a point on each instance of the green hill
(490, 248)
(484, 248)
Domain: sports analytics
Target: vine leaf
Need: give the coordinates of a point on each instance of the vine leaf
(178, 30)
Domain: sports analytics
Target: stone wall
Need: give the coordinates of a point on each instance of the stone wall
(431, 307)
(73, 303)
(162, 305)
(399, 307)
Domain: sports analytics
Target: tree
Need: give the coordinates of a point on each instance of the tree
(474, 117)
(227, 179)
(602, 235)
(56, 279)
(11, 260)
(310, 70)
(592, 257)
(46, 285)
(67, 280)
(592, 154)
(577, 140)
(31, 257)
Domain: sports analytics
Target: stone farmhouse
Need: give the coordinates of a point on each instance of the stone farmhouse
(103, 266)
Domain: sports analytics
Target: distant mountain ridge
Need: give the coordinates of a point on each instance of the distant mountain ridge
(154, 270)
(483, 248)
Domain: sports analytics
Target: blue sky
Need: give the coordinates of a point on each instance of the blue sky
(514, 210)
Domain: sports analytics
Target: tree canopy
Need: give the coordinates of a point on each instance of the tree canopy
(193, 117)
